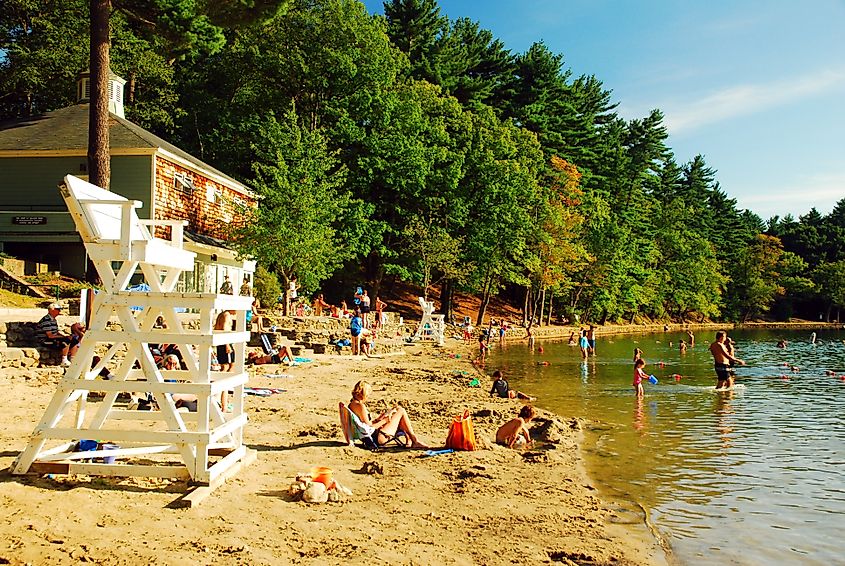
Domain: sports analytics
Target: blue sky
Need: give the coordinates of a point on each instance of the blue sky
(756, 87)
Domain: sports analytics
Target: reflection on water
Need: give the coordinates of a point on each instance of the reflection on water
(749, 476)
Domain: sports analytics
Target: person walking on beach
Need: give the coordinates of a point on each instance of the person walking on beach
(482, 349)
(722, 361)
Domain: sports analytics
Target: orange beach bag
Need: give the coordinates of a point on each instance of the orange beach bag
(461, 433)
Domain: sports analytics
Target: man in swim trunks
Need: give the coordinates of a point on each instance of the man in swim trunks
(591, 339)
(722, 361)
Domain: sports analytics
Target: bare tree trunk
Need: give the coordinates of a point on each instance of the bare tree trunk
(485, 300)
(525, 305)
(549, 317)
(542, 305)
(375, 285)
(99, 168)
(447, 289)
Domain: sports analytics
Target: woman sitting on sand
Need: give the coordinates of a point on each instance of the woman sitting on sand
(386, 424)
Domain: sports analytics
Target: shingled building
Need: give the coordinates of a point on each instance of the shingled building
(36, 153)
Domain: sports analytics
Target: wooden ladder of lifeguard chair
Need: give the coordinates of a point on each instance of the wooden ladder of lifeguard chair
(209, 442)
(432, 326)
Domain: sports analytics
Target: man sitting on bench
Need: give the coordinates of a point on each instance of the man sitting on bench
(49, 336)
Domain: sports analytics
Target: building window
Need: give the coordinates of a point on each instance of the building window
(183, 182)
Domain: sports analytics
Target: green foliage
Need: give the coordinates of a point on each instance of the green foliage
(433, 252)
(266, 286)
(294, 230)
(420, 146)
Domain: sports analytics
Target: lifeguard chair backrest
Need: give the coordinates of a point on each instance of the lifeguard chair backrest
(427, 306)
(99, 221)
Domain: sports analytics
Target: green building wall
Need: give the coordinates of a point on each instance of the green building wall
(28, 190)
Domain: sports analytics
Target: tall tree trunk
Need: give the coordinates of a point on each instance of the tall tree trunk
(549, 316)
(375, 286)
(542, 305)
(447, 290)
(99, 168)
(485, 300)
(525, 305)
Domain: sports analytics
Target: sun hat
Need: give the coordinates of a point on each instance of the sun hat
(56, 306)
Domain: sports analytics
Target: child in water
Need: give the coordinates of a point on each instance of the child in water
(514, 432)
(639, 376)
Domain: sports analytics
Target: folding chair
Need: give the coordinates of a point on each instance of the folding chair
(355, 429)
(266, 346)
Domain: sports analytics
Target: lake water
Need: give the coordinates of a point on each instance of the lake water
(752, 476)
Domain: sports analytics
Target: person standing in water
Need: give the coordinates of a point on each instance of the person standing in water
(584, 344)
(722, 361)
(591, 338)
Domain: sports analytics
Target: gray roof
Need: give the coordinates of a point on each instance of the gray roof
(67, 129)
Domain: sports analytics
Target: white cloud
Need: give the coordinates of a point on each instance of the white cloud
(682, 117)
(821, 192)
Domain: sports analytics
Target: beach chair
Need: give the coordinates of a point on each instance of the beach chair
(266, 347)
(354, 429)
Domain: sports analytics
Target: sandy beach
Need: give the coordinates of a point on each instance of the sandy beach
(491, 506)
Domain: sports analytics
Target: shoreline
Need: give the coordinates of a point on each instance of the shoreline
(491, 506)
(560, 332)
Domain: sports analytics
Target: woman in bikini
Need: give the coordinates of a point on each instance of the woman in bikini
(386, 424)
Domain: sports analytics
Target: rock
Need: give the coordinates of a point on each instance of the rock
(315, 493)
(372, 468)
(342, 489)
(296, 489)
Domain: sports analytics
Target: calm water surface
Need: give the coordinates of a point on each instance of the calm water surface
(752, 476)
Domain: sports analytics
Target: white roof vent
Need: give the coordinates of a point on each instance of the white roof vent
(115, 94)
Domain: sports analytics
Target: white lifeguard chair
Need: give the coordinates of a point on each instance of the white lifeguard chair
(208, 443)
(432, 326)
